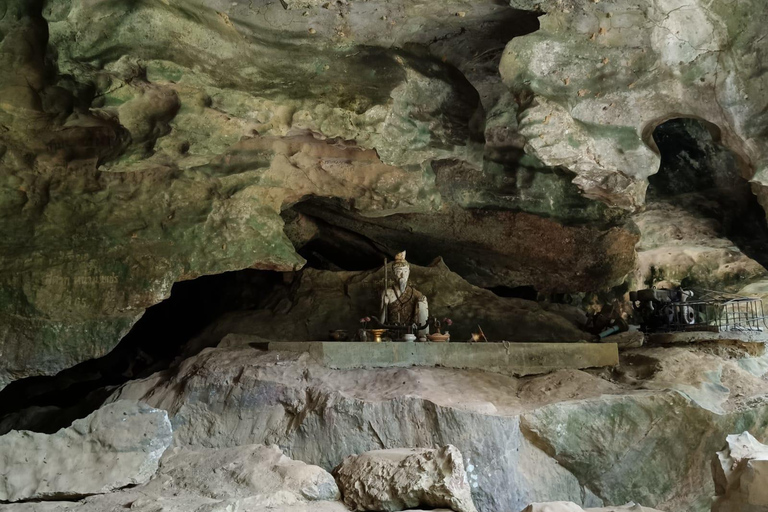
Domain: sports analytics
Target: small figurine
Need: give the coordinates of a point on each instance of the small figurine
(362, 333)
(401, 303)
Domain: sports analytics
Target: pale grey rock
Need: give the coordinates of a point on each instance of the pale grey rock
(259, 473)
(116, 446)
(524, 441)
(136, 501)
(555, 506)
(566, 506)
(405, 478)
(740, 472)
(600, 76)
(692, 248)
(230, 397)
(253, 478)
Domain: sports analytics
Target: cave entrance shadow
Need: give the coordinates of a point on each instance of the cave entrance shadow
(158, 340)
(701, 175)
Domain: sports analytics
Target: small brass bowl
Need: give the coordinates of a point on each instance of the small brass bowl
(377, 334)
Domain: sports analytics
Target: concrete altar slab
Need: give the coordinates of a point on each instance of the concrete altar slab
(509, 359)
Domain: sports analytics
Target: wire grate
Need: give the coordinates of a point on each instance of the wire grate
(714, 311)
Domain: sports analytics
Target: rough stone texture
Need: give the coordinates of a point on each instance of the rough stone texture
(564, 506)
(151, 142)
(405, 478)
(492, 247)
(740, 472)
(116, 446)
(598, 77)
(252, 478)
(555, 506)
(134, 500)
(752, 341)
(627, 340)
(316, 302)
(677, 245)
(567, 436)
(702, 225)
(244, 471)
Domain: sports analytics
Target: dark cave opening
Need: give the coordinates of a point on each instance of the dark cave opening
(701, 175)
(328, 246)
(158, 340)
(518, 292)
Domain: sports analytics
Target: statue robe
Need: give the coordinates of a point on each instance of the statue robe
(404, 309)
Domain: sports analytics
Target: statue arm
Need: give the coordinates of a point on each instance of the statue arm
(422, 314)
(384, 302)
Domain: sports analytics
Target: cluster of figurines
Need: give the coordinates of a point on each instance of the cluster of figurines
(404, 314)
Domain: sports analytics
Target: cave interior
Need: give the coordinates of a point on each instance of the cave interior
(204, 202)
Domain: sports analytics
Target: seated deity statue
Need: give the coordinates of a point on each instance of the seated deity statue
(401, 303)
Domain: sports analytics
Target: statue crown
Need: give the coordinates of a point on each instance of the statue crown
(400, 260)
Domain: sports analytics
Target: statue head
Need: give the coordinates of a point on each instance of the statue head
(401, 269)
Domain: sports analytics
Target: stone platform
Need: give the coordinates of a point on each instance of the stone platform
(753, 342)
(668, 338)
(510, 359)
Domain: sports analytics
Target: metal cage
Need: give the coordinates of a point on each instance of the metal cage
(713, 311)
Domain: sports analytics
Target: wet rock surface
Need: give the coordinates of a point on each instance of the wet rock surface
(405, 478)
(116, 446)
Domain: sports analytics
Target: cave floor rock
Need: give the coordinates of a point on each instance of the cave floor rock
(594, 438)
(250, 478)
(117, 446)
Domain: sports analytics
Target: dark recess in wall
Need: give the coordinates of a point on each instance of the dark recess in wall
(152, 345)
(518, 292)
(704, 176)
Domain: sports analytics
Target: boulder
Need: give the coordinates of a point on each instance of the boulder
(262, 474)
(116, 446)
(555, 506)
(250, 478)
(627, 340)
(405, 478)
(629, 507)
(740, 472)
(230, 397)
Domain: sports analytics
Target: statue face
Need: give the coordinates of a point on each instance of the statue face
(402, 273)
